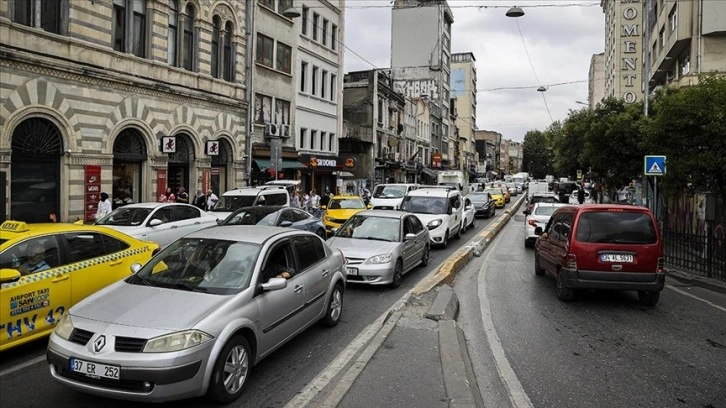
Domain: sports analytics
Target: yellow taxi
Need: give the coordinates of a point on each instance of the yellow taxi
(47, 268)
(505, 191)
(340, 208)
(497, 196)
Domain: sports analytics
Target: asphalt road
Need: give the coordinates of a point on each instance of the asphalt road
(602, 350)
(25, 381)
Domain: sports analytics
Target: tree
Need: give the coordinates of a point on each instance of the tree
(537, 154)
(688, 125)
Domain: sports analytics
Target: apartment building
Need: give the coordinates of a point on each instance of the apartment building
(463, 88)
(685, 39)
(596, 80)
(128, 97)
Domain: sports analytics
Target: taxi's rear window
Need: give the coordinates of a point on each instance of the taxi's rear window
(629, 228)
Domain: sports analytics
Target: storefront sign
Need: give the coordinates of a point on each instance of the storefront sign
(92, 191)
(316, 162)
(206, 179)
(350, 162)
(213, 148)
(160, 183)
(168, 144)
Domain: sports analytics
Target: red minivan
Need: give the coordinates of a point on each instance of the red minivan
(602, 246)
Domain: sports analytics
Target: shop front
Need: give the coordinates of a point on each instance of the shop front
(262, 169)
(321, 172)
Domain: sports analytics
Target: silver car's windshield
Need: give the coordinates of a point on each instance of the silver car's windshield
(367, 227)
(389, 192)
(201, 265)
(253, 216)
(478, 197)
(125, 217)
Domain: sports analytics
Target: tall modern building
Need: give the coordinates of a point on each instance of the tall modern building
(623, 49)
(125, 96)
(421, 63)
(596, 80)
(463, 88)
(686, 38)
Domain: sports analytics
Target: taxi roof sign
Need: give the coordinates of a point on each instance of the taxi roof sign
(14, 226)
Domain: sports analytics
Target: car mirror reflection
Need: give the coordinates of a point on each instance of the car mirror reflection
(274, 284)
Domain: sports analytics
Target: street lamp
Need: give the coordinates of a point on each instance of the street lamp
(582, 103)
(541, 89)
(291, 13)
(515, 12)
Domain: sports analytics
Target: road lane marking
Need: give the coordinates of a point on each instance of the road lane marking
(26, 364)
(682, 292)
(516, 392)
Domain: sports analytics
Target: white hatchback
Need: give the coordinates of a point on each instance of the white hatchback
(538, 216)
(162, 223)
(440, 209)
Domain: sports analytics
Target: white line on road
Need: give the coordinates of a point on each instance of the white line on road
(682, 292)
(22, 365)
(517, 395)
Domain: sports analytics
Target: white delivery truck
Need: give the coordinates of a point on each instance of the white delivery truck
(454, 178)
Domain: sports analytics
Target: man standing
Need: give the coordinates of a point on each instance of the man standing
(104, 206)
(211, 199)
(325, 199)
(182, 196)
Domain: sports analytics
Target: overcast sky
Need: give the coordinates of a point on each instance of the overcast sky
(561, 41)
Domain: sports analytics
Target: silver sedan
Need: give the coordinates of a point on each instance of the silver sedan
(381, 246)
(199, 315)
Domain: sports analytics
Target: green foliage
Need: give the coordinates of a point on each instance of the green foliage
(537, 154)
(688, 125)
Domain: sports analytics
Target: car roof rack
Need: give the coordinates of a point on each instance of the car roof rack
(272, 187)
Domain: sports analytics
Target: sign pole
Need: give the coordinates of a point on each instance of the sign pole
(655, 197)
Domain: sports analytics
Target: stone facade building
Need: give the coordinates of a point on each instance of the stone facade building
(122, 96)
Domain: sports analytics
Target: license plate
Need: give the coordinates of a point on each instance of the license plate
(95, 370)
(351, 271)
(617, 258)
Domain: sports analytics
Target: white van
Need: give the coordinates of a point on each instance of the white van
(389, 196)
(439, 209)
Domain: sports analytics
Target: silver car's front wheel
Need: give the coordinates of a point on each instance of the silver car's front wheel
(230, 371)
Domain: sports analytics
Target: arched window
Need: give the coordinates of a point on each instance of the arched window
(173, 33)
(188, 38)
(228, 65)
(216, 33)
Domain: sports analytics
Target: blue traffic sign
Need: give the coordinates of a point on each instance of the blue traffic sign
(655, 165)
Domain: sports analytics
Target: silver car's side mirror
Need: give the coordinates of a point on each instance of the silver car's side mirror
(410, 236)
(274, 284)
(135, 267)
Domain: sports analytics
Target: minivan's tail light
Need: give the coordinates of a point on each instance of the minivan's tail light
(532, 222)
(571, 261)
(661, 268)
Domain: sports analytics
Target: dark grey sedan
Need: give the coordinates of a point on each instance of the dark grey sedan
(483, 204)
(276, 216)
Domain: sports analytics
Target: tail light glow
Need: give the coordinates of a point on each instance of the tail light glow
(571, 261)
(532, 223)
(661, 268)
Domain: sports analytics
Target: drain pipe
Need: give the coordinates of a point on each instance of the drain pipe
(249, 81)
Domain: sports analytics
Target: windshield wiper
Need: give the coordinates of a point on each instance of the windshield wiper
(141, 278)
(184, 285)
(375, 239)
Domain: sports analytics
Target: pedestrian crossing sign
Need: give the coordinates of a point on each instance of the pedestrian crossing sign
(655, 165)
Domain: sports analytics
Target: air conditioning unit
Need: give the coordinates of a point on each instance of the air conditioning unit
(272, 130)
(284, 130)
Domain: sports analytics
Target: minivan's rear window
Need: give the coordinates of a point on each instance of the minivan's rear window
(616, 228)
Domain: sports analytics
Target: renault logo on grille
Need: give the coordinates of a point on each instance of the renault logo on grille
(100, 343)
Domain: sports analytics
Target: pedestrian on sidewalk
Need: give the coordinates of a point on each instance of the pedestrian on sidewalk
(104, 206)
(182, 196)
(200, 200)
(211, 199)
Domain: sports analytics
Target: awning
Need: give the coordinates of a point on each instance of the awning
(428, 172)
(343, 174)
(286, 164)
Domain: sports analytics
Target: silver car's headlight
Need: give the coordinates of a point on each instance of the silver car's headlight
(176, 341)
(433, 224)
(64, 328)
(379, 259)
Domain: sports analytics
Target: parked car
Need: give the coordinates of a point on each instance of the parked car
(276, 216)
(468, 215)
(339, 209)
(602, 247)
(47, 268)
(440, 209)
(196, 318)
(484, 204)
(538, 216)
(380, 246)
(158, 222)
(232, 200)
(389, 196)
